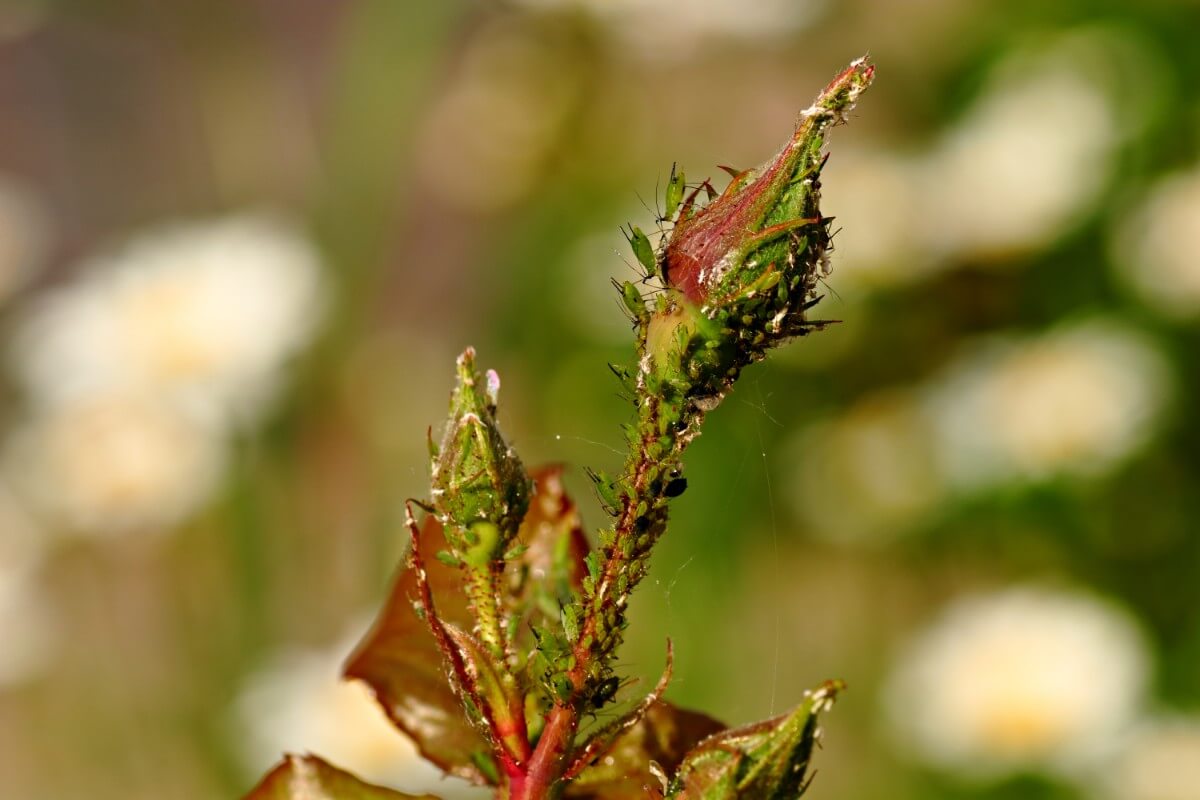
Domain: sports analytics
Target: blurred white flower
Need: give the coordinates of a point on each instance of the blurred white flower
(1160, 761)
(879, 205)
(24, 236)
(298, 703)
(104, 464)
(665, 28)
(1157, 248)
(1030, 156)
(866, 474)
(1026, 679)
(1075, 400)
(204, 314)
(516, 82)
(27, 625)
(1027, 160)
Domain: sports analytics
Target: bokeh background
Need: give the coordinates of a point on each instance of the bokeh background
(241, 243)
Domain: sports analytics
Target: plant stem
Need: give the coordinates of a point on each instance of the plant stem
(541, 780)
(481, 585)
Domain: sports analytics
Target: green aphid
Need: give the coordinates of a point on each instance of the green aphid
(570, 622)
(674, 192)
(548, 644)
(513, 553)
(592, 560)
(633, 301)
(563, 688)
(626, 548)
(607, 490)
(640, 243)
(627, 382)
(447, 558)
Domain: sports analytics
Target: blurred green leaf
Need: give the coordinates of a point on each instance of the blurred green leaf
(310, 778)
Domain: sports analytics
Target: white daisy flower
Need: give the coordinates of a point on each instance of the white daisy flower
(1157, 248)
(110, 463)
(1032, 155)
(298, 703)
(1160, 761)
(879, 205)
(1026, 679)
(1029, 157)
(204, 313)
(1076, 400)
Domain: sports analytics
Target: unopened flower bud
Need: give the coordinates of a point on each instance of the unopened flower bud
(767, 220)
(480, 489)
(744, 268)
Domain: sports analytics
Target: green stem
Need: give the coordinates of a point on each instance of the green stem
(482, 585)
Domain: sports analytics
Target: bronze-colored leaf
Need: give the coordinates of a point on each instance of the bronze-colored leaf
(399, 660)
(552, 564)
(663, 736)
(310, 778)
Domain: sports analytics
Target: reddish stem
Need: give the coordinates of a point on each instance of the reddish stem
(543, 774)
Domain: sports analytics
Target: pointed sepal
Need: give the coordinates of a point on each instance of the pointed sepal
(764, 761)
(501, 707)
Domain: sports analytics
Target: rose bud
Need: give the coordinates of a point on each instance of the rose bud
(767, 219)
(480, 489)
